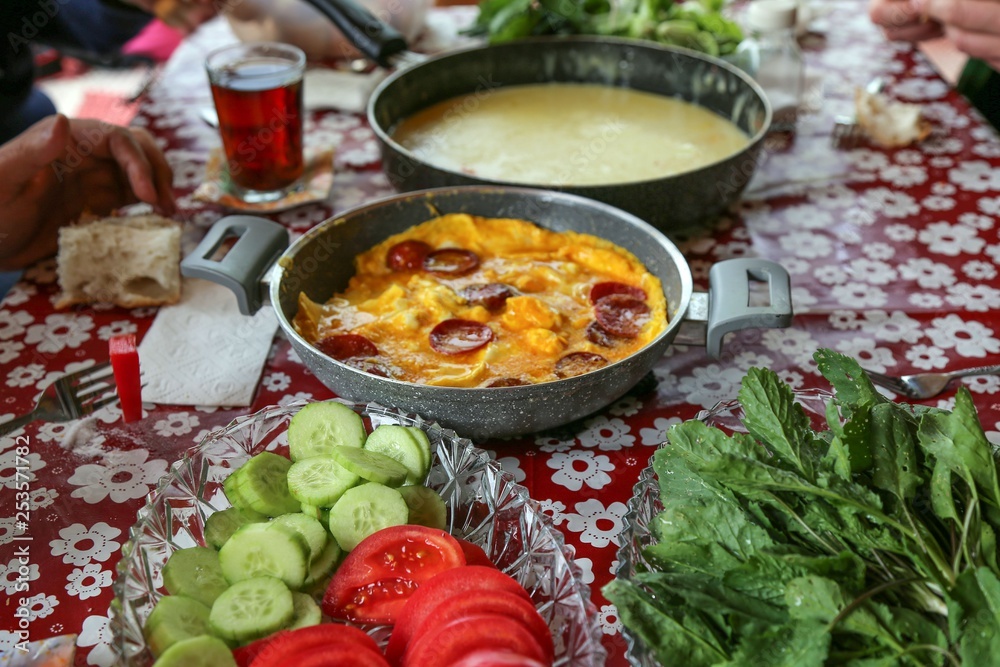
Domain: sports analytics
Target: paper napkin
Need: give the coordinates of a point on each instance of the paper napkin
(202, 351)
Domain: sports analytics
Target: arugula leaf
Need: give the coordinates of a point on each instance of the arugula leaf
(773, 416)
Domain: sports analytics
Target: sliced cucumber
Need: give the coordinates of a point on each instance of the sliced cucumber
(307, 612)
(319, 480)
(257, 550)
(365, 509)
(372, 466)
(220, 526)
(319, 426)
(424, 442)
(261, 485)
(427, 507)
(196, 573)
(311, 530)
(322, 566)
(251, 609)
(174, 619)
(399, 443)
(200, 651)
(320, 513)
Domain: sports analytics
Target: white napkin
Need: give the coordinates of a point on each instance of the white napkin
(202, 351)
(325, 88)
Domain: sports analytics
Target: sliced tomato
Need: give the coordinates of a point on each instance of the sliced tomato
(504, 603)
(474, 554)
(244, 655)
(448, 643)
(337, 656)
(460, 581)
(493, 658)
(382, 572)
(284, 648)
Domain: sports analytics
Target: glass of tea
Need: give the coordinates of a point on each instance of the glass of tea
(257, 88)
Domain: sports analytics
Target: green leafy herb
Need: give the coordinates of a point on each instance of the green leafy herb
(694, 24)
(872, 541)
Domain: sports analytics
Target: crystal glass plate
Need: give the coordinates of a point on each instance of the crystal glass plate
(485, 505)
(645, 503)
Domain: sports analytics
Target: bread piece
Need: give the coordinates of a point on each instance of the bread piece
(130, 262)
(890, 124)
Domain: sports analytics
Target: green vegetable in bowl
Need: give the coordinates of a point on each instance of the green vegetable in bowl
(694, 24)
(872, 542)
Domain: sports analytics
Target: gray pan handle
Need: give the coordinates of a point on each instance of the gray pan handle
(259, 243)
(726, 306)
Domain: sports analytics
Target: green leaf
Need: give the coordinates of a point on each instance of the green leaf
(851, 384)
(773, 417)
(893, 438)
(708, 593)
(974, 616)
(799, 644)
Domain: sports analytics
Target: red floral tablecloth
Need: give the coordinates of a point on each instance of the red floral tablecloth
(893, 257)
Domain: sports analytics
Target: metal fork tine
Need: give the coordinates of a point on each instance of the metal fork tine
(895, 384)
(94, 406)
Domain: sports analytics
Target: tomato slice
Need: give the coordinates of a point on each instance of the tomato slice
(493, 658)
(507, 604)
(244, 655)
(448, 643)
(336, 656)
(125, 364)
(287, 646)
(461, 581)
(474, 554)
(382, 572)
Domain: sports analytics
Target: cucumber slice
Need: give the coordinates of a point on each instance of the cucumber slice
(322, 566)
(220, 526)
(365, 509)
(372, 466)
(200, 651)
(320, 513)
(196, 573)
(426, 506)
(307, 612)
(261, 485)
(174, 619)
(319, 480)
(400, 444)
(311, 530)
(319, 426)
(424, 442)
(251, 609)
(257, 550)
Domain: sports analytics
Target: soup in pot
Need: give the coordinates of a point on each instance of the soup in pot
(568, 135)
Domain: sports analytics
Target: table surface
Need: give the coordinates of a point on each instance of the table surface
(893, 256)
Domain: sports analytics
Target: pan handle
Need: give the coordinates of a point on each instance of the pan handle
(727, 306)
(378, 41)
(258, 244)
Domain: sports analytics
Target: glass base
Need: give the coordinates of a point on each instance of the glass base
(262, 196)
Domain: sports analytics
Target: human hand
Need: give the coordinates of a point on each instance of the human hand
(973, 26)
(901, 20)
(58, 169)
(185, 15)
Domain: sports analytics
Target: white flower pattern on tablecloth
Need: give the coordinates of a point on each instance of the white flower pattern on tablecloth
(176, 423)
(80, 545)
(16, 469)
(951, 240)
(586, 566)
(513, 466)
(122, 476)
(25, 376)
(606, 434)
(87, 581)
(8, 530)
(598, 525)
(555, 509)
(13, 324)
(967, 337)
(40, 606)
(610, 622)
(97, 632)
(575, 469)
(654, 436)
(15, 574)
(59, 332)
(10, 350)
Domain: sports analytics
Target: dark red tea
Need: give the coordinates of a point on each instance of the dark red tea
(260, 121)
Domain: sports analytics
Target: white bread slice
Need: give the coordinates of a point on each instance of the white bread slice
(890, 124)
(130, 262)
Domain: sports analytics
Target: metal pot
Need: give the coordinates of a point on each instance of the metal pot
(668, 203)
(320, 263)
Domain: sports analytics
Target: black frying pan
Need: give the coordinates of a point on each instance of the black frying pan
(668, 203)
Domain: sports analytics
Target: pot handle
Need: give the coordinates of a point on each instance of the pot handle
(241, 268)
(378, 41)
(726, 307)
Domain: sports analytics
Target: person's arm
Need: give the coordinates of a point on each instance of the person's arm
(902, 20)
(59, 169)
(185, 15)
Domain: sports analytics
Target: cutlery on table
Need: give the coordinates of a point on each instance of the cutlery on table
(926, 385)
(847, 132)
(70, 397)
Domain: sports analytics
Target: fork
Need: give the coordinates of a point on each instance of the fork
(847, 132)
(926, 385)
(70, 397)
